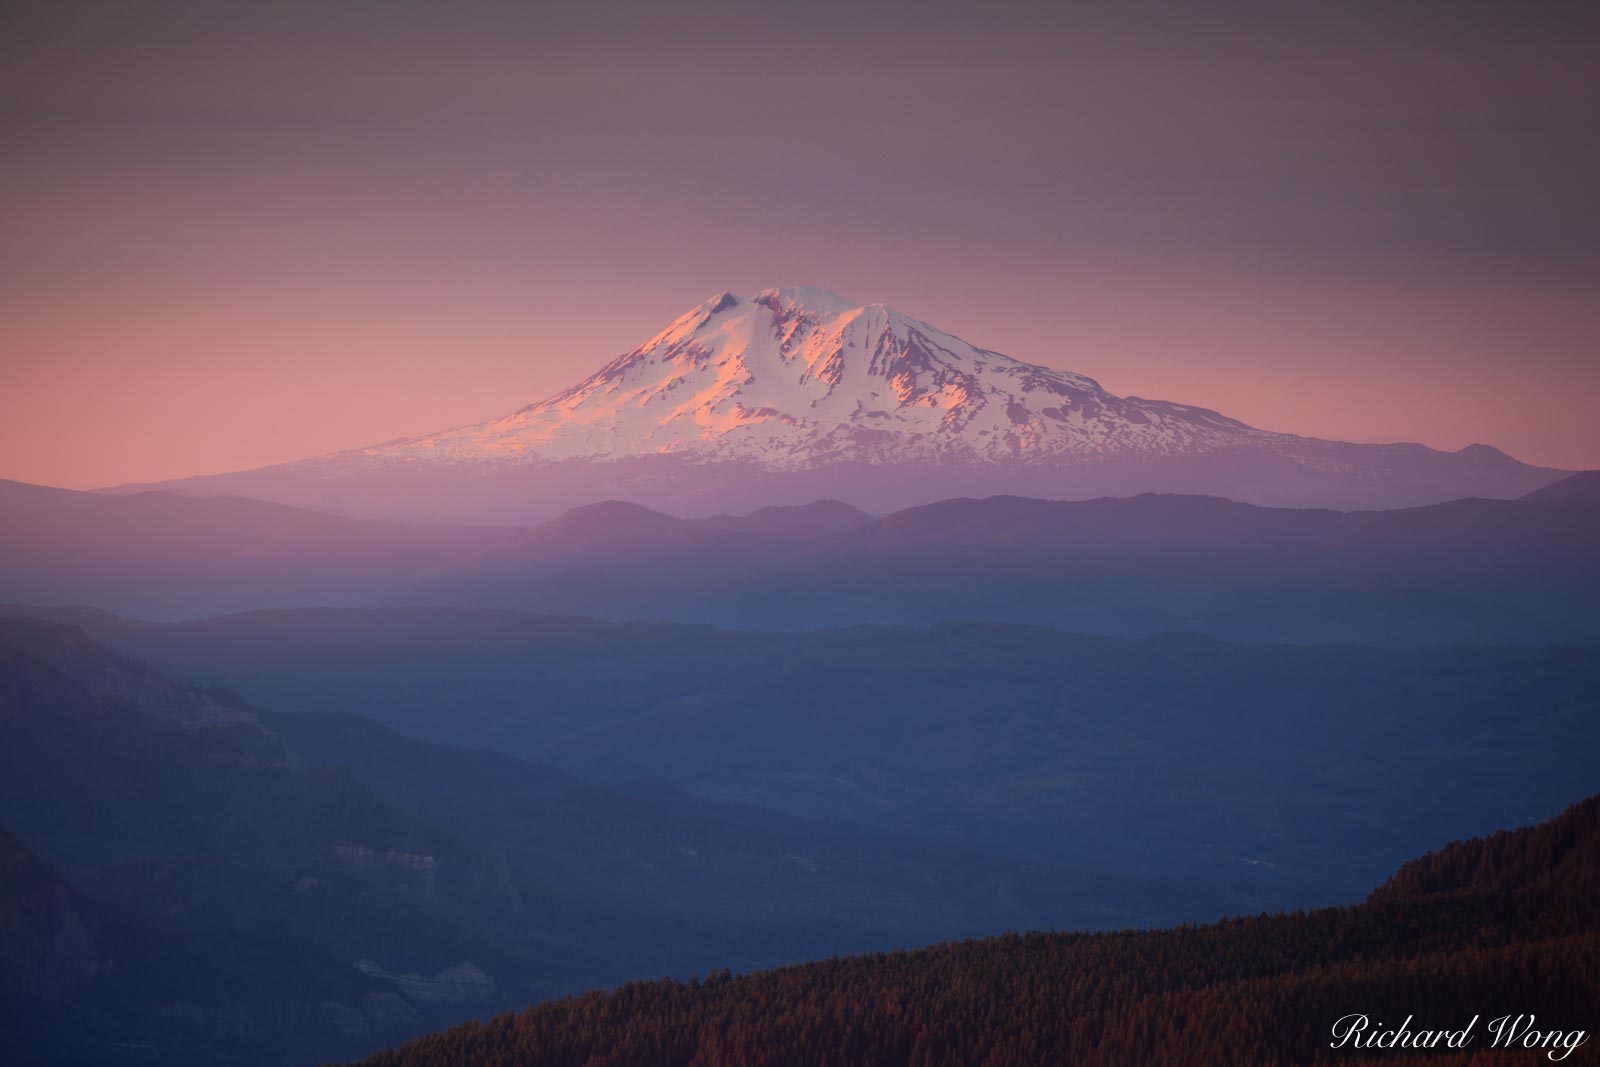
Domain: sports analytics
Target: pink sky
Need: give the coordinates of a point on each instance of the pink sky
(231, 242)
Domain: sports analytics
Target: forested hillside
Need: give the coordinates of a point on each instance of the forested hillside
(1483, 928)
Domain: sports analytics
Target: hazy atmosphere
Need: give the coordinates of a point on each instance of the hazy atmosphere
(243, 234)
(771, 534)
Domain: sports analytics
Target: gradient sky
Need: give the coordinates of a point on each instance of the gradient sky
(237, 234)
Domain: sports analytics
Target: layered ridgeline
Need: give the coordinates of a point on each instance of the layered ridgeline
(1486, 948)
(1480, 571)
(187, 878)
(793, 394)
(1305, 773)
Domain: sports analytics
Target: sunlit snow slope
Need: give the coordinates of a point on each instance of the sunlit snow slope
(794, 395)
(798, 376)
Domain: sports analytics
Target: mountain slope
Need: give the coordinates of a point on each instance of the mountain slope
(799, 377)
(1308, 772)
(84, 981)
(1511, 940)
(469, 881)
(1584, 485)
(793, 394)
(1560, 857)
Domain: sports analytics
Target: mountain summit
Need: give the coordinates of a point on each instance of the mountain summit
(797, 377)
(792, 395)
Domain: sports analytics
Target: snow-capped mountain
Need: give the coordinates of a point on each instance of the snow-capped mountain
(792, 395)
(798, 377)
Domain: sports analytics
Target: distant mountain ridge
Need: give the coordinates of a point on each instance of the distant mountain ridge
(1584, 485)
(792, 394)
(1478, 571)
(1173, 754)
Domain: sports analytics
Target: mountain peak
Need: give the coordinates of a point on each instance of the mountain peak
(811, 298)
(796, 392)
(799, 377)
